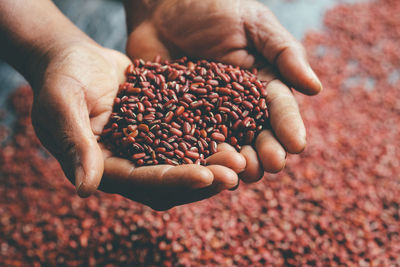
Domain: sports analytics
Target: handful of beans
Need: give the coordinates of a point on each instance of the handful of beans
(178, 112)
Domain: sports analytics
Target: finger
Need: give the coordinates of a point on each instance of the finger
(270, 152)
(254, 170)
(227, 156)
(225, 147)
(240, 58)
(164, 186)
(280, 48)
(62, 123)
(224, 178)
(189, 183)
(235, 187)
(148, 50)
(285, 117)
(121, 175)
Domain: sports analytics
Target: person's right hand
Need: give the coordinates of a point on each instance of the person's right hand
(74, 90)
(242, 33)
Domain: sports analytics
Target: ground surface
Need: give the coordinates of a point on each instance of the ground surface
(335, 205)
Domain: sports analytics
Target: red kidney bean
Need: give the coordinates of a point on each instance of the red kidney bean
(192, 154)
(203, 133)
(169, 117)
(166, 145)
(171, 139)
(169, 103)
(175, 125)
(176, 132)
(200, 146)
(262, 103)
(179, 153)
(213, 82)
(143, 127)
(187, 161)
(223, 90)
(161, 149)
(196, 104)
(190, 138)
(237, 87)
(301, 217)
(171, 162)
(194, 149)
(182, 109)
(179, 111)
(149, 117)
(148, 140)
(247, 105)
(183, 146)
(224, 110)
(133, 90)
(224, 130)
(132, 127)
(140, 162)
(218, 137)
(186, 128)
(141, 108)
(213, 147)
(169, 154)
(138, 155)
(139, 117)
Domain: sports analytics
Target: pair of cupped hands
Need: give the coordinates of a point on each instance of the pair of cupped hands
(78, 82)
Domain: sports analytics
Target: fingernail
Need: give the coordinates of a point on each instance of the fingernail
(315, 79)
(203, 183)
(234, 182)
(235, 187)
(282, 154)
(79, 174)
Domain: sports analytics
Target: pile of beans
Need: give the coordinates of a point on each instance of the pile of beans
(178, 112)
(337, 204)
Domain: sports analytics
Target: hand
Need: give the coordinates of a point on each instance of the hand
(238, 32)
(74, 91)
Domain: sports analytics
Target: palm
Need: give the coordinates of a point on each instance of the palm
(203, 29)
(99, 82)
(238, 32)
(72, 105)
(76, 91)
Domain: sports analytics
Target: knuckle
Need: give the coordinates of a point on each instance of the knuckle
(297, 146)
(274, 163)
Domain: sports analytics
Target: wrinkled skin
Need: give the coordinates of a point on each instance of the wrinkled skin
(75, 85)
(76, 93)
(238, 32)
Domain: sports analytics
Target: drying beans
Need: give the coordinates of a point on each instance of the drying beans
(178, 112)
(337, 204)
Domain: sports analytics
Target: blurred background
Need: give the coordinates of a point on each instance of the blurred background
(336, 204)
(104, 21)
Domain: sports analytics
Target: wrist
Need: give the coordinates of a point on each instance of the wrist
(49, 55)
(138, 11)
(30, 31)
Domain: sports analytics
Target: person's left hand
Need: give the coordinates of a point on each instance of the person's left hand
(74, 90)
(238, 32)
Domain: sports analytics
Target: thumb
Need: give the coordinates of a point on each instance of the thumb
(136, 48)
(282, 50)
(61, 121)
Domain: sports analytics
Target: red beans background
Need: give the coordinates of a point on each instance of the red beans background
(175, 112)
(336, 204)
